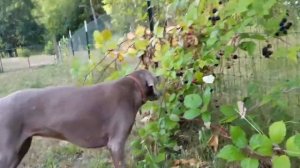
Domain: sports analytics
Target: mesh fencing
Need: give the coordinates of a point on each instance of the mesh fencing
(257, 76)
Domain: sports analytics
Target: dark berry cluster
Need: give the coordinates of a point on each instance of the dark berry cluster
(267, 51)
(215, 17)
(284, 26)
(219, 54)
(180, 72)
(234, 56)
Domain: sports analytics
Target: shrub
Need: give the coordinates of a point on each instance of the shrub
(23, 52)
(49, 48)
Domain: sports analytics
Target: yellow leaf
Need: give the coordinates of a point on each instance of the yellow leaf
(98, 39)
(102, 37)
(106, 34)
(198, 76)
(131, 51)
(158, 46)
(107, 8)
(140, 31)
(141, 44)
(120, 57)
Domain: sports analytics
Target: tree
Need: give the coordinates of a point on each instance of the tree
(61, 16)
(17, 25)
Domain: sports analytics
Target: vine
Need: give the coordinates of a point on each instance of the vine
(206, 36)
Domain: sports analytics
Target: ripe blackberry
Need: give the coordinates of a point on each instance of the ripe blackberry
(284, 20)
(288, 25)
(215, 10)
(235, 56)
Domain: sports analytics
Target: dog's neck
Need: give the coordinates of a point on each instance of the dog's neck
(140, 88)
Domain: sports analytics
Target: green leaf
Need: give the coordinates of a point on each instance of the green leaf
(292, 146)
(207, 96)
(231, 153)
(206, 117)
(255, 36)
(277, 132)
(206, 99)
(261, 144)
(174, 117)
(198, 76)
(249, 163)
(248, 46)
(238, 136)
(161, 157)
(229, 50)
(140, 31)
(141, 44)
(282, 161)
(170, 124)
(292, 54)
(159, 32)
(242, 6)
(297, 140)
(192, 14)
(228, 110)
(192, 113)
(192, 101)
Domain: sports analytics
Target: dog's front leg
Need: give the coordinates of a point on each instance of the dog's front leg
(116, 148)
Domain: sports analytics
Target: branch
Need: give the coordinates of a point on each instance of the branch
(105, 68)
(95, 66)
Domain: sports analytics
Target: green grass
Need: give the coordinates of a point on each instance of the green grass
(34, 78)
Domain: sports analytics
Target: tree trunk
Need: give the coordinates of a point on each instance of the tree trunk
(94, 14)
(1, 65)
(57, 54)
(16, 52)
(28, 60)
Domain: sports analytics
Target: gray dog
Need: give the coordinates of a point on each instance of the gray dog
(90, 117)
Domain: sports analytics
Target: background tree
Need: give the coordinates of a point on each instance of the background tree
(18, 27)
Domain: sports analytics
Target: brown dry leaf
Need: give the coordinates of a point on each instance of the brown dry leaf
(170, 28)
(195, 39)
(214, 142)
(174, 42)
(177, 162)
(184, 162)
(148, 32)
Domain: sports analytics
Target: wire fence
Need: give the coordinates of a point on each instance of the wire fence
(12, 59)
(238, 77)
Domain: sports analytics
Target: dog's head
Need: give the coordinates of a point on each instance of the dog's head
(148, 82)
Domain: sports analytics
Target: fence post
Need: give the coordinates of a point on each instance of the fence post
(150, 15)
(71, 41)
(1, 65)
(60, 53)
(87, 39)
